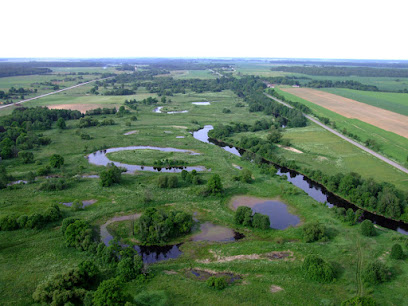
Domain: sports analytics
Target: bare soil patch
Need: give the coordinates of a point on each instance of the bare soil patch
(248, 201)
(275, 255)
(80, 107)
(275, 289)
(290, 149)
(349, 108)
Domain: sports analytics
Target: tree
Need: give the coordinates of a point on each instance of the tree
(314, 232)
(110, 292)
(397, 252)
(56, 161)
(61, 123)
(214, 185)
(367, 228)
(318, 269)
(246, 176)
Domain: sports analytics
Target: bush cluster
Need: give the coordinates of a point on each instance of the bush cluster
(111, 175)
(217, 282)
(376, 272)
(191, 177)
(167, 181)
(367, 228)
(314, 232)
(11, 222)
(246, 176)
(316, 268)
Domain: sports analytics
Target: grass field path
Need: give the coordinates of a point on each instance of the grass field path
(379, 156)
(360, 288)
(52, 93)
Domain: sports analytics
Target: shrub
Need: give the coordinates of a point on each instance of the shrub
(8, 223)
(246, 176)
(226, 110)
(148, 298)
(317, 269)
(375, 272)
(54, 185)
(172, 182)
(314, 232)
(359, 301)
(22, 221)
(261, 221)
(218, 283)
(44, 170)
(110, 176)
(367, 228)
(109, 292)
(77, 205)
(396, 251)
(35, 221)
(53, 213)
(56, 161)
(162, 181)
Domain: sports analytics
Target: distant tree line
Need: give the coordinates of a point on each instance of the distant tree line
(344, 71)
(350, 84)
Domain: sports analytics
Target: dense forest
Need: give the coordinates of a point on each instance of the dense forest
(344, 71)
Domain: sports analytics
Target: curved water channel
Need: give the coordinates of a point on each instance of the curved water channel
(99, 158)
(313, 189)
(154, 253)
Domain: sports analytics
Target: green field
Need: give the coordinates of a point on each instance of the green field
(395, 102)
(392, 145)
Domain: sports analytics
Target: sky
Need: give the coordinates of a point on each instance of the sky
(357, 29)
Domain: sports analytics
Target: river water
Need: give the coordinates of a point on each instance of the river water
(313, 189)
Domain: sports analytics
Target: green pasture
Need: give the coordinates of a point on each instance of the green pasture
(29, 257)
(391, 144)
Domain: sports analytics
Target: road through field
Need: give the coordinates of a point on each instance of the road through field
(384, 119)
(388, 161)
(52, 93)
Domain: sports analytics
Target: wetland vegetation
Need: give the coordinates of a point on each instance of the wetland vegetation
(225, 223)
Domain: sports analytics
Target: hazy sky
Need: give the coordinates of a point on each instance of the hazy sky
(176, 28)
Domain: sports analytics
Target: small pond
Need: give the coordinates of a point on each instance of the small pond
(278, 213)
(154, 253)
(85, 203)
(201, 103)
(159, 110)
(216, 233)
(99, 158)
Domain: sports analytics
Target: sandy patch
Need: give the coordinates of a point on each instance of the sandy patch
(275, 289)
(81, 107)
(276, 255)
(349, 108)
(321, 158)
(179, 127)
(249, 201)
(170, 272)
(290, 149)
